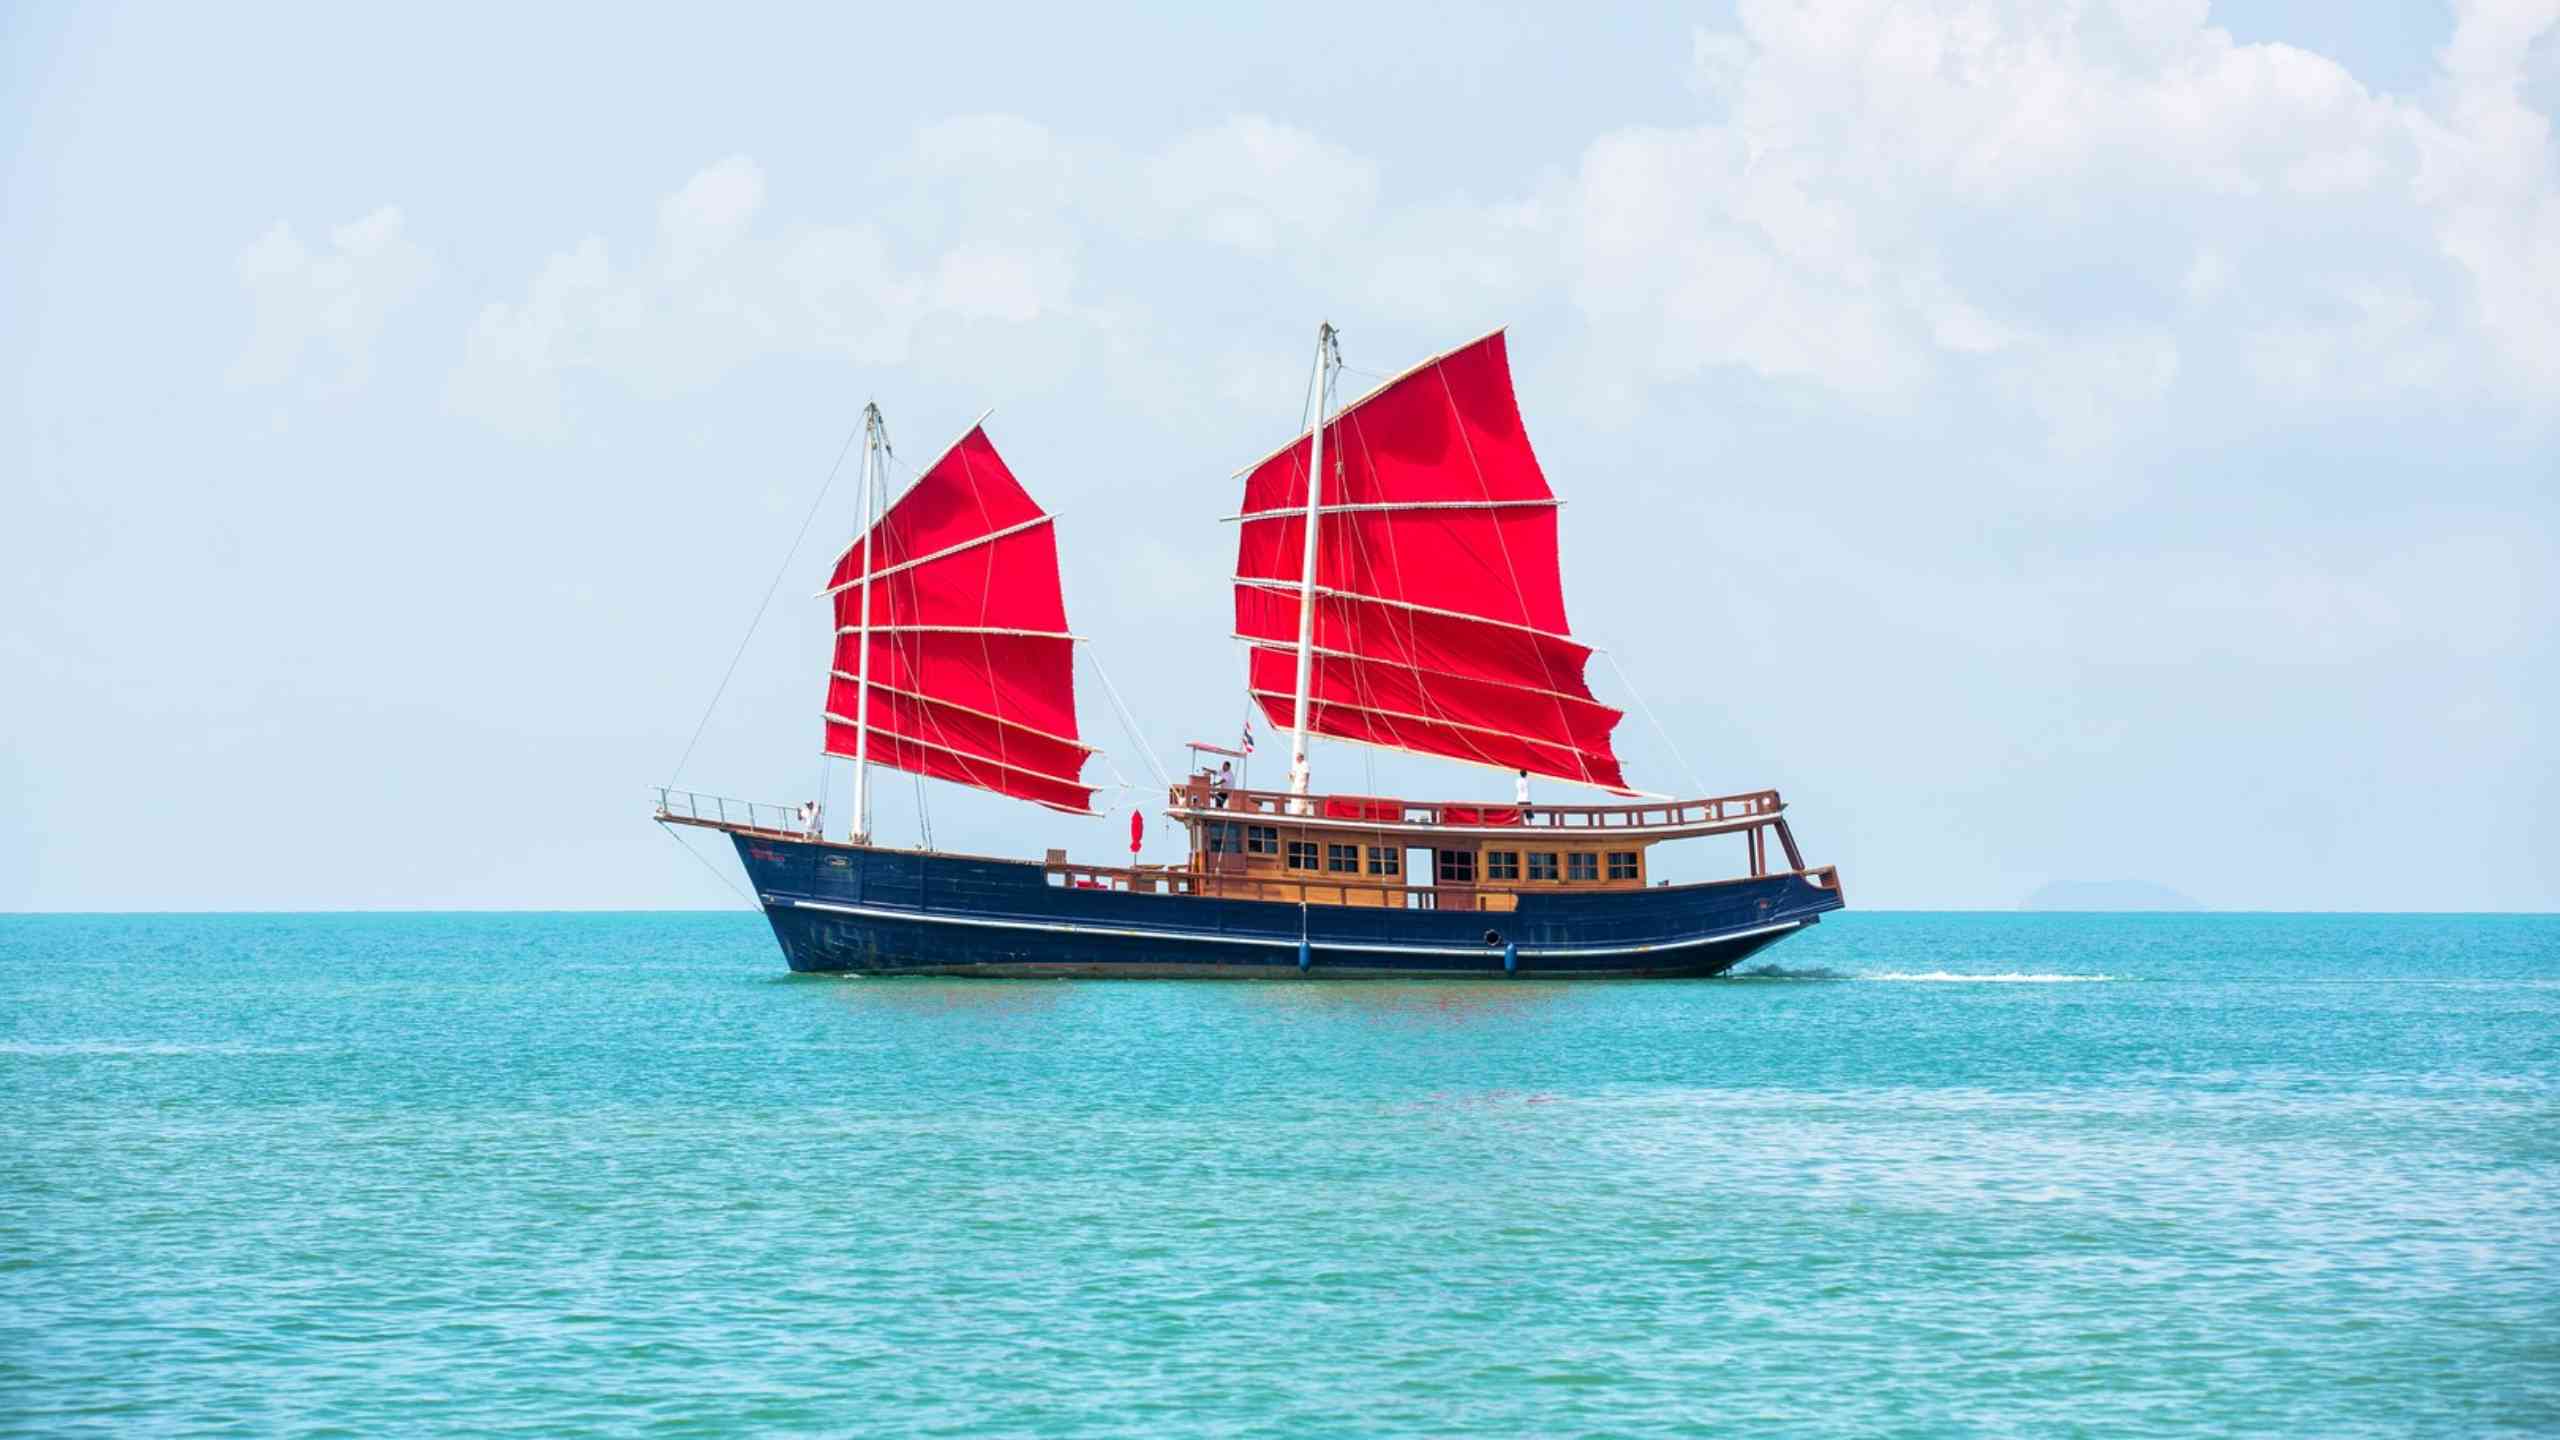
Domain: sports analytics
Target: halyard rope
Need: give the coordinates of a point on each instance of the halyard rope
(779, 571)
(707, 865)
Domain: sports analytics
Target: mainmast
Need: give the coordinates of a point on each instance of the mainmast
(1328, 359)
(875, 438)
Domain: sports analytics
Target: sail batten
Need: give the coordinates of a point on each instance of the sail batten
(1377, 505)
(1289, 588)
(879, 688)
(1438, 620)
(963, 668)
(1389, 717)
(902, 566)
(877, 628)
(1428, 672)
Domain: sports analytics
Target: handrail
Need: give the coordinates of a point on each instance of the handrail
(700, 809)
(1200, 794)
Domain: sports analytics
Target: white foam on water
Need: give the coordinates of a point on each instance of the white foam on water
(2011, 977)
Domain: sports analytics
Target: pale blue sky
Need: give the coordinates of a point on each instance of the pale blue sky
(2078, 442)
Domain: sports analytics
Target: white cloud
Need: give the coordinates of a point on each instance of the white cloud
(332, 303)
(712, 290)
(707, 216)
(2082, 224)
(1255, 185)
(982, 222)
(997, 284)
(517, 352)
(2084, 208)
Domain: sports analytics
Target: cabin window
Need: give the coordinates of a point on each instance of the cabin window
(1622, 865)
(1222, 836)
(1262, 840)
(1581, 865)
(1457, 867)
(1502, 864)
(1342, 859)
(1385, 860)
(1302, 854)
(1542, 864)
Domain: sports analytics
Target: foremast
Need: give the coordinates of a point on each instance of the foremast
(952, 656)
(875, 439)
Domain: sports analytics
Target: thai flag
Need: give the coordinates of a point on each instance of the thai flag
(1248, 737)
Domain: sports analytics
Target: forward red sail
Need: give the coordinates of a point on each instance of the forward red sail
(1440, 624)
(972, 671)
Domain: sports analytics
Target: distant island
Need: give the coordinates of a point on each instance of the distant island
(2106, 895)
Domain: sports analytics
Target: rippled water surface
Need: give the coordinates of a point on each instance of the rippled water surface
(1998, 1175)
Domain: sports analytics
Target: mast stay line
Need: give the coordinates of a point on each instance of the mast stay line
(762, 605)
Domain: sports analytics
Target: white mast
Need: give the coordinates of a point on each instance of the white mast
(873, 438)
(1327, 357)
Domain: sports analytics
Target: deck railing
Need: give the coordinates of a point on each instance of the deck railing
(1199, 793)
(686, 805)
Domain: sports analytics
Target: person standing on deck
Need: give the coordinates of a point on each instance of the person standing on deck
(1520, 793)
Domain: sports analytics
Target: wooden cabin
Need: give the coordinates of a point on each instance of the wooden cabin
(1361, 850)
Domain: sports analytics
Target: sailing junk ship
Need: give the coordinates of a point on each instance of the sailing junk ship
(1409, 598)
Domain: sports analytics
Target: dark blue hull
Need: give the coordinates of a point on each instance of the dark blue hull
(852, 910)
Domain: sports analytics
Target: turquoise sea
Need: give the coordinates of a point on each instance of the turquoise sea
(1924, 1175)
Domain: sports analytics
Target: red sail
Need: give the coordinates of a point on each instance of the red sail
(1440, 624)
(972, 671)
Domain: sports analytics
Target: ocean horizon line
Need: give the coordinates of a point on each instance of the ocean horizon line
(601, 910)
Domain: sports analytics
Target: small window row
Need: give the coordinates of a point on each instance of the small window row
(1229, 837)
(1342, 859)
(1579, 865)
(1454, 867)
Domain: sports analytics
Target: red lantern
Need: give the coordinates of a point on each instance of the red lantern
(1137, 830)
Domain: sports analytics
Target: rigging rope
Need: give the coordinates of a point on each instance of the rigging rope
(1410, 621)
(775, 584)
(1128, 722)
(707, 865)
(1564, 720)
(1697, 787)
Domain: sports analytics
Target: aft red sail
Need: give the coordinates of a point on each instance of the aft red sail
(1440, 624)
(972, 671)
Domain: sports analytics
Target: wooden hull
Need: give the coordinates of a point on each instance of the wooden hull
(857, 910)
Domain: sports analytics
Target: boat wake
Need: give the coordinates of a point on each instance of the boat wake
(1772, 971)
(2009, 977)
